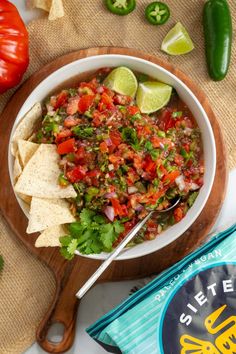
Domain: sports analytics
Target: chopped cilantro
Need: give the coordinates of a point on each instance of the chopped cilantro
(83, 131)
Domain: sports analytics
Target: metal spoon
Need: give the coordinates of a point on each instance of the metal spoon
(120, 247)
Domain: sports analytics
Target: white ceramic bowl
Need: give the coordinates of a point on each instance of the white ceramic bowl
(159, 73)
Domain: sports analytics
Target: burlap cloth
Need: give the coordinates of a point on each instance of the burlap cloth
(27, 286)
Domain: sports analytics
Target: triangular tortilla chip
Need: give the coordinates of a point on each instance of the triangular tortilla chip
(40, 176)
(50, 237)
(25, 198)
(17, 169)
(26, 150)
(45, 213)
(26, 126)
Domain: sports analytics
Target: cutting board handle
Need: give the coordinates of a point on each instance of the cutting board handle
(63, 310)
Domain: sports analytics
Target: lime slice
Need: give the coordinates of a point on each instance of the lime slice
(122, 80)
(152, 96)
(177, 41)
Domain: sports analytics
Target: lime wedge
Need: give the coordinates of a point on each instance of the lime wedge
(177, 41)
(122, 80)
(152, 95)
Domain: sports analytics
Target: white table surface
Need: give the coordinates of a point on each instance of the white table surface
(110, 295)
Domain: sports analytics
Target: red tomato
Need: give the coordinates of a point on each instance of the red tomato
(115, 138)
(156, 141)
(132, 110)
(85, 103)
(178, 214)
(77, 174)
(80, 155)
(120, 210)
(179, 160)
(72, 106)
(66, 147)
(97, 118)
(166, 119)
(91, 85)
(71, 121)
(94, 173)
(103, 147)
(66, 133)
(14, 46)
(170, 177)
(149, 165)
(61, 99)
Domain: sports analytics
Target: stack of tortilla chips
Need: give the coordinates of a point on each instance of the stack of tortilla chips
(35, 177)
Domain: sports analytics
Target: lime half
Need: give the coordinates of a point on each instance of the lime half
(177, 41)
(122, 80)
(152, 95)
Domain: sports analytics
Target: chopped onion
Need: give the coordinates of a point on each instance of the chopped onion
(132, 190)
(109, 212)
(110, 167)
(110, 195)
(180, 182)
(194, 186)
(139, 207)
(108, 142)
(100, 89)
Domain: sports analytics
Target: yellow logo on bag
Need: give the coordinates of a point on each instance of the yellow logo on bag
(225, 341)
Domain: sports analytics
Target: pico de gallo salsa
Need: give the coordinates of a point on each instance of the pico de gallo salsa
(121, 162)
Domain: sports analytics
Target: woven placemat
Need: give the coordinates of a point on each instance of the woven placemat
(26, 286)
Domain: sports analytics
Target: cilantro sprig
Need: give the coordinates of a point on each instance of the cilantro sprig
(91, 234)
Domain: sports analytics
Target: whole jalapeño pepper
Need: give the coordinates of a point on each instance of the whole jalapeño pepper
(217, 25)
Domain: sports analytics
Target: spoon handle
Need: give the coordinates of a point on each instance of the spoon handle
(112, 256)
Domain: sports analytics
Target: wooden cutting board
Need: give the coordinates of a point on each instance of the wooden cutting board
(70, 276)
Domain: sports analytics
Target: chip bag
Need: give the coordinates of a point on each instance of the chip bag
(188, 308)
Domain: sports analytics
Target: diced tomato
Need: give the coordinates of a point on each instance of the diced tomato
(71, 121)
(186, 147)
(156, 141)
(163, 170)
(77, 174)
(80, 155)
(66, 133)
(66, 147)
(85, 103)
(94, 173)
(106, 102)
(143, 131)
(116, 160)
(149, 165)
(72, 106)
(179, 160)
(61, 99)
(138, 161)
(132, 110)
(155, 196)
(97, 118)
(170, 177)
(178, 214)
(115, 138)
(103, 147)
(122, 100)
(167, 121)
(91, 85)
(120, 210)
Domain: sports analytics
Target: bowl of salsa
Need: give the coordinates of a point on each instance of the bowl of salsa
(121, 159)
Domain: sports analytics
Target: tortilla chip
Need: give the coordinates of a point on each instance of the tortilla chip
(26, 150)
(50, 237)
(45, 213)
(17, 169)
(40, 176)
(25, 198)
(26, 126)
(54, 7)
